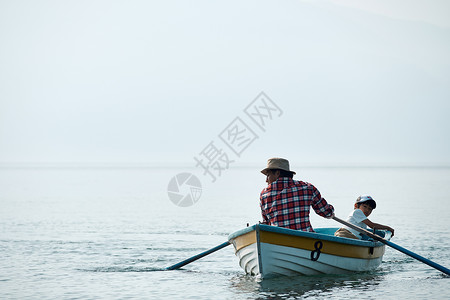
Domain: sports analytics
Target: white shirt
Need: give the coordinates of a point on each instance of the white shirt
(356, 217)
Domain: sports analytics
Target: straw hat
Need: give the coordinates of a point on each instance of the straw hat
(278, 164)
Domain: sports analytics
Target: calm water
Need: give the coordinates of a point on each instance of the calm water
(107, 233)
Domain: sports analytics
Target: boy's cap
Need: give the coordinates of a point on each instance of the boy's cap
(367, 198)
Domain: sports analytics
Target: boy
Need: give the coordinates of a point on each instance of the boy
(363, 208)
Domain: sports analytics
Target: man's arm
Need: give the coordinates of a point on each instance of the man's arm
(320, 205)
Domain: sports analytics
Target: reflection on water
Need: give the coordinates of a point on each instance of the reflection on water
(284, 287)
(123, 269)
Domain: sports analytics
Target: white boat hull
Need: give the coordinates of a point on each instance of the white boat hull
(263, 253)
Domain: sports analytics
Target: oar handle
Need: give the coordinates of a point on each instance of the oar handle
(194, 258)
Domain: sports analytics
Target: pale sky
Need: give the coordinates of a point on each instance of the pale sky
(358, 82)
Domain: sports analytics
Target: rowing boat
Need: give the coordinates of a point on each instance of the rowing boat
(268, 250)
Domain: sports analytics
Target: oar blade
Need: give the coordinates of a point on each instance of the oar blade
(198, 256)
(418, 257)
(395, 246)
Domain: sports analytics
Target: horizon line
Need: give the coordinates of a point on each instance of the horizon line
(184, 164)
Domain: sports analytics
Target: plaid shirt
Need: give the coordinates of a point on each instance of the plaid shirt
(286, 203)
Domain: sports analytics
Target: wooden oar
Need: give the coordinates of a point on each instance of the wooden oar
(194, 258)
(395, 246)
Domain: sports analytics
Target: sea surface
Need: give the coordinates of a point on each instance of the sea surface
(108, 232)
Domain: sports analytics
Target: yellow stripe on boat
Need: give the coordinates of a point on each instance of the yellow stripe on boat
(244, 240)
(328, 247)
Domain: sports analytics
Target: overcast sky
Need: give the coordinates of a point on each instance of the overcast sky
(356, 82)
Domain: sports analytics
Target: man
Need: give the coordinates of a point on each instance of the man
(286, 202)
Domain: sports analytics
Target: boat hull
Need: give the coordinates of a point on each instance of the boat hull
(267, 250)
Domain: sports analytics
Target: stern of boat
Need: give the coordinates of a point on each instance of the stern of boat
(268, 250)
